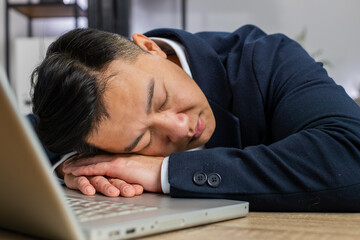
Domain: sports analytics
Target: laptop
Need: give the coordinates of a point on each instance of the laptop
(33, 202)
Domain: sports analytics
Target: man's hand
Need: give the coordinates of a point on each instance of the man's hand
(133, 170)
(110, 187)
(89, 185)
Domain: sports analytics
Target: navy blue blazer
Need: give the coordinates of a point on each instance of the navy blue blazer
(287, 138)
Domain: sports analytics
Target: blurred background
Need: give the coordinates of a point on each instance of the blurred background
(327, 29)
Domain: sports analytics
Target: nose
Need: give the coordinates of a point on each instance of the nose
(175, 126)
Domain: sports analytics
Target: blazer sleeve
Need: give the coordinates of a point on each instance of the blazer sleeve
(312, 162)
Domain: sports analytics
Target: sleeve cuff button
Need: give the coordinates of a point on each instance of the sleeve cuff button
(214, 180)
(200, 178)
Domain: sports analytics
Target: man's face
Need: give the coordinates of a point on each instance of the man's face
(155, 109)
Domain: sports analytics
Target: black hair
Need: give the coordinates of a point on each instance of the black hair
(68, 87)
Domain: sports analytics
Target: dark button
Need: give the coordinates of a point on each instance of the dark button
(199, 178)
(214, 179)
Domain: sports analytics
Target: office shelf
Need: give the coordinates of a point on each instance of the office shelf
(39, 10)
(48, 10)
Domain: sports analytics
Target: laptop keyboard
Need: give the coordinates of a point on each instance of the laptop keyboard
(87, 210)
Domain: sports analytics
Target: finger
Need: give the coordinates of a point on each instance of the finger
(87, 161)
(98, 169)
(88, 167)
(103, 185)
(79, 183)
(138, 189)
(126, 190)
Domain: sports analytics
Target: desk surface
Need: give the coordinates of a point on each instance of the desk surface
(276, 226)
(257, 226)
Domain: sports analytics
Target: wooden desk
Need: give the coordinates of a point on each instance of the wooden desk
(287, 226)
(257, 226)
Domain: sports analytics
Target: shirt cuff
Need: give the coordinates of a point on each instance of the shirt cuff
(62, 159)
(165, 185)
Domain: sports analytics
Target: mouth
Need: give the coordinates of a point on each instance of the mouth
(199, 129)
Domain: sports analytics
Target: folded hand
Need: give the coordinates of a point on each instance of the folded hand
(113, 175)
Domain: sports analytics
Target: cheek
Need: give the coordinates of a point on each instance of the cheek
(161, 146)
(185, 98)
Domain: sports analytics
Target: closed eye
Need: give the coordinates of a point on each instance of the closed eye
(165, 102)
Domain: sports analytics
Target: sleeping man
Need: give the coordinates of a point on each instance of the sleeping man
(242, 115)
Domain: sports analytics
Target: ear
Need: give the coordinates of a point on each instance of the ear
(148, 45)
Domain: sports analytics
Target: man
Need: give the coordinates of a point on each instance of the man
(270, 126)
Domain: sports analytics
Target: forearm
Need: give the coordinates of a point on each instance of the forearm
(303, 164)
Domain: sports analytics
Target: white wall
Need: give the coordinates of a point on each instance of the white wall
(332, 27)
(150, 14)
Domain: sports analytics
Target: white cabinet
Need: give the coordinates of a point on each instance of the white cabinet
(28, 53)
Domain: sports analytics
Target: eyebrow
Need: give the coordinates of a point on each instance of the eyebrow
(150, 95)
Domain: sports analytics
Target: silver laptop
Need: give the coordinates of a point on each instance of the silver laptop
(34, 203)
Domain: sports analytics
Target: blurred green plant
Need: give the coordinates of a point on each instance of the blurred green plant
(301, 39)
